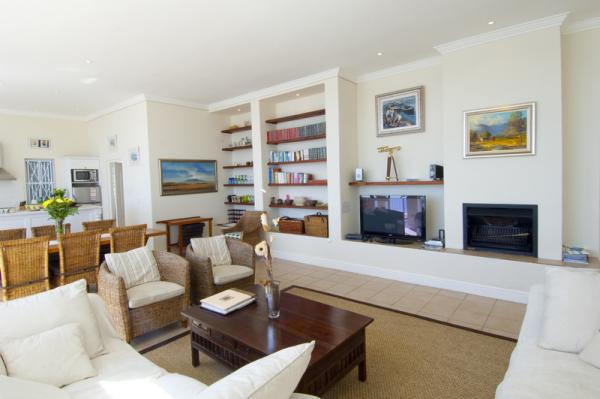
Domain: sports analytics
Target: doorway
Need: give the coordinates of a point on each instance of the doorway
(117, 202)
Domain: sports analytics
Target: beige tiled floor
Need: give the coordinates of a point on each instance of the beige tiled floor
(481, 313)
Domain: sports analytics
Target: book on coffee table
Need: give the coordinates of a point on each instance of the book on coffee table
(227, 301)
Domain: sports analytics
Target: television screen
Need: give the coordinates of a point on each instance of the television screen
(391, 216)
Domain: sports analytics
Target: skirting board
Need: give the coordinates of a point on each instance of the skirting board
(413, 278)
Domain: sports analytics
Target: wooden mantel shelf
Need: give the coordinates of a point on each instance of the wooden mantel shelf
(398, 183)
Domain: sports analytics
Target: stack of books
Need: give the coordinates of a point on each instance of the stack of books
(227, 301)
(276, 176)
(292, 133)
(301, 155)
(575, 255)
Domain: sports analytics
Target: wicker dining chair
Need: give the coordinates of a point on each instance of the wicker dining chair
(49, 231)
(123, 239)
(103, 226)
(24, 267)
(13, 234)
(249, 225)
(79, 255)
(131, 323)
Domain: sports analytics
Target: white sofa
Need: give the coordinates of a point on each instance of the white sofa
(536, 373)
(122, 373)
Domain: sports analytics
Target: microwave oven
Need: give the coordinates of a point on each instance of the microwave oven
(84, 175)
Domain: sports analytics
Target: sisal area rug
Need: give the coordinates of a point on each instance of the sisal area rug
(407, 357)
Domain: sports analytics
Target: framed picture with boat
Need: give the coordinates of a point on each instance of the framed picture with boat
(400, 112)
(187, 176)
(500, 131)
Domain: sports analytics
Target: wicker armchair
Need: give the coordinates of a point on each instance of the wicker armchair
(49, 231)
(79, 255)
(13, 234)
(123, 239)
(250, 227)
(131, 323)
(24, 267)
(102, 226)
(201, 270)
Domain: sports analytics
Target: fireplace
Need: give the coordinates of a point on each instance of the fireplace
(501, 228)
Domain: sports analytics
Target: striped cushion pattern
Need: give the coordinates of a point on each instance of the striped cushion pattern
(135, 267)
(214, 248)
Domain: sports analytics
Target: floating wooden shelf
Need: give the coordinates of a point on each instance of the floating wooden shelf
(312, 183)
(307, 138)
(293, 162)
(239, 203)
(243, 147)
(236, 129)
(398, 183)
(317, 208)
(238, 185)
(238, 166)
(296, 117)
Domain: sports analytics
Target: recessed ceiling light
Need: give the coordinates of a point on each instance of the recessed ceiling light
(89, 61)
(491, 22)
(89, 81)
(239, 110)
(297, 94)
(380, 53)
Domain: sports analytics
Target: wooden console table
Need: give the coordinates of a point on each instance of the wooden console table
(179, 223)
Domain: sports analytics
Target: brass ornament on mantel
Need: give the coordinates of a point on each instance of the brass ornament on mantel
(390, 160)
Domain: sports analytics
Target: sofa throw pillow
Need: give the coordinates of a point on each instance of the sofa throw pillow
(135, 267)
(214, 248)
(572, 315)
(16, 388)
(273, 377)
(55, 357)
(41, 312)
(591, 353)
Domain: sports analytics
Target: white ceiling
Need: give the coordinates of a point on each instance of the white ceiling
(204, 51)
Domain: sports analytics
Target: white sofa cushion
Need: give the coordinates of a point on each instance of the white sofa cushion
(572, 313)
(273, 377)
(15, 388)
(149, 293)
(31, 315)
(227, 274)
(135, 267)
(591, 353)
(55, 357)
(215, 248)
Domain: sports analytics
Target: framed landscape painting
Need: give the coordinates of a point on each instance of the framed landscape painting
(500, 131)
(187, 176)
(400, 112)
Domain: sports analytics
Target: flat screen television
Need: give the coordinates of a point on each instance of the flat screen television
(397, 217)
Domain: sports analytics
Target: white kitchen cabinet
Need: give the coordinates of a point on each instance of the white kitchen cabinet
(29, 219)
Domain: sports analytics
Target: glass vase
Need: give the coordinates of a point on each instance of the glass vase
(273, 295)
(59, 226)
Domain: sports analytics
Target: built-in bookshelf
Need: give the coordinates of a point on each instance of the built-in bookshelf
(236, 129)
(303, 115)
(398, 183)
(239, 203)
(239, 185)
(296, 162)
(314, 183)
(250, 165)
(241, 147)
(316, 207)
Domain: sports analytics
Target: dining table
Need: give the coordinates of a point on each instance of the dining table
(105, 240)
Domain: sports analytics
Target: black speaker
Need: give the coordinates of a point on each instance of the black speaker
(436, 172)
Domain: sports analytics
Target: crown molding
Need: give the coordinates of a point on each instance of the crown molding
(140, 98)
(174, 101)
(31, 114)
(581, 26)
(503, 33)
(275, 90)
(395, 70)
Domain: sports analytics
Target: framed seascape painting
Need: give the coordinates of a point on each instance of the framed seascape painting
(500, 131)
(187, 176)
(400, 112)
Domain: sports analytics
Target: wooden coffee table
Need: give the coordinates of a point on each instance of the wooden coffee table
(247, 335)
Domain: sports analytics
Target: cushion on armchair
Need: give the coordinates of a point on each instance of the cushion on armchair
(135, 267)
(16, 388)
(214, 248)
(153, 292)
(227, 274)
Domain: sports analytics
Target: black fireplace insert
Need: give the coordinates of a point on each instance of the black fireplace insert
(500, 227)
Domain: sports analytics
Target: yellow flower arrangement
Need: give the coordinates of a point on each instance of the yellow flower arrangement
(59, 207)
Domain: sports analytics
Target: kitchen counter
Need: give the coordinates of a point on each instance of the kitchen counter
(29, 219)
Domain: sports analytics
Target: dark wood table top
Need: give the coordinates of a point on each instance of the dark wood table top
(183, 221)
(301, 320)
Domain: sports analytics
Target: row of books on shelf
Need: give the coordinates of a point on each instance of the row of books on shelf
(276, 176)
(300, 155)
(291, 133)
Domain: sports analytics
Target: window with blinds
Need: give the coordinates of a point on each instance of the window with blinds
(40, 179)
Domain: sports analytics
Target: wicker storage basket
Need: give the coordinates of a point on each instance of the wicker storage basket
(289, 225)
(316, 225)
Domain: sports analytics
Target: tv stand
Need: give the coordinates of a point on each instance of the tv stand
(387, 240)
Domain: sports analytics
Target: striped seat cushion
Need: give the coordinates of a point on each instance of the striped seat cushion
(214, 248)
(135, 267)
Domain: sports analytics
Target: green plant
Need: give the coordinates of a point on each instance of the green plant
(59, 207)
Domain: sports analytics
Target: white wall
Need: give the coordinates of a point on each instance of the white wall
(515, 70)
(581, 82)
(68, 138)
